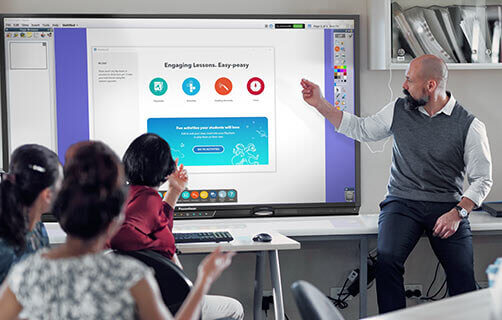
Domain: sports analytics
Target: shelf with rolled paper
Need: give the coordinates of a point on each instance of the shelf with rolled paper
(465, 34)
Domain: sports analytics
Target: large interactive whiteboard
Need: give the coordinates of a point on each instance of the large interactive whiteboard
(222, 90)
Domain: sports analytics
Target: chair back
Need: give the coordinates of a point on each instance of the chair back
(312, 303)
(173, 282)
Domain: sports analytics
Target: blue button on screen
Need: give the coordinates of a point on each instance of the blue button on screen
(208, 149)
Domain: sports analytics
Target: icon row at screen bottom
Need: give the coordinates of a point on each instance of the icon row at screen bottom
(194, 196)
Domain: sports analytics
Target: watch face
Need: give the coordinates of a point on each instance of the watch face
(462, 212)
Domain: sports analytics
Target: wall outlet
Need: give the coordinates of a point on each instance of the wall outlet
(412, 288)
(483, 284)
(353, 275)
(333, 293)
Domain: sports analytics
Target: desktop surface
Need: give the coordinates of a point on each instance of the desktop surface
(468, 306)
(363, 224)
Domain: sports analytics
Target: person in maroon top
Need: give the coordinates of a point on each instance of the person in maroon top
(148, 224)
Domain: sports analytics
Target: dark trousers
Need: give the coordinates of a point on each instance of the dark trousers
(400, 225)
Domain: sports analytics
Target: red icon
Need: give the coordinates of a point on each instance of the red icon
(194, 194)
(255, 86)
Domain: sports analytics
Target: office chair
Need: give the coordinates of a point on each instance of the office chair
(312, 303)
(173, 282)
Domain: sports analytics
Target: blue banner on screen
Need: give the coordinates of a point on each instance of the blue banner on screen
(215, 141)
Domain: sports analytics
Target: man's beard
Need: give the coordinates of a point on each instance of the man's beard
(411, 103)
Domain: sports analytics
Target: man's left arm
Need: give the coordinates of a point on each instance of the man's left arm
(478, 164)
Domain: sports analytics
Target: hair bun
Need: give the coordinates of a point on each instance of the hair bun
(94, 166)
(92, 194)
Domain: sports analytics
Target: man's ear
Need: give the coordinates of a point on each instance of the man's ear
(432, 85)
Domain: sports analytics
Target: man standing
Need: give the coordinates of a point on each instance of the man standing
(436, 142)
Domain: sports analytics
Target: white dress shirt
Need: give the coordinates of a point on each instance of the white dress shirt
(477, 158)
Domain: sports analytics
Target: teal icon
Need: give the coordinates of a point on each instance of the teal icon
(158, 86)
(185, 195)
(191, 86)
(231, 194)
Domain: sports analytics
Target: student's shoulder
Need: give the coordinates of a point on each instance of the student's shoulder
(144, 192)
(7, 257)
(6, 249)
(123, 261)
(125, 268)
(27, 271)
(144, 201)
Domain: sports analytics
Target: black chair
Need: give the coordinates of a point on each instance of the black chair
(312, 303)
(173, 282)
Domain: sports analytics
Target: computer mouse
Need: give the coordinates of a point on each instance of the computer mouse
(262, 237)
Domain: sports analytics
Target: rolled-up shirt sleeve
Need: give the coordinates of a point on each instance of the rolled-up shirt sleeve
(371, 128)
(478, 163)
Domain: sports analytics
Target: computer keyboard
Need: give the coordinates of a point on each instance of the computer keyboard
(221, 236)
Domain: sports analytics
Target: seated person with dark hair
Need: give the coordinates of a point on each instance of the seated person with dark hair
(149, 218)
(77, 280)
(27, 192)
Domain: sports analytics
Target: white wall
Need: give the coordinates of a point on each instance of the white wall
(327, 264)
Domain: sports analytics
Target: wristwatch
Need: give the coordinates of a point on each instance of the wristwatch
(462, 213)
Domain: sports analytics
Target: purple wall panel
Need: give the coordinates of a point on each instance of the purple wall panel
(72, 107)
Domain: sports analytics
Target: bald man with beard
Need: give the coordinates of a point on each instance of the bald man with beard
(436, 144)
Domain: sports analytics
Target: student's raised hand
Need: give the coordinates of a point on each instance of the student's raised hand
(311, 93)
(178, 180)
(213, 265)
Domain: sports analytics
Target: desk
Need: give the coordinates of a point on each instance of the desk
(243, 243)
(319, 228)
(468, 306)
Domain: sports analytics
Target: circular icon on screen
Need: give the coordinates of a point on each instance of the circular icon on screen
(185, 195)
(203, 194)
(158, 86)
(223, 86)
(212, 194)
(256, 86)
(194, 194)
(231, 194)
(191, 86)
(222, 194)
